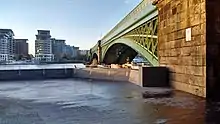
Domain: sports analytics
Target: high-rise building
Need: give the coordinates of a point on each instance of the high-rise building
(6, 45)
(58, 48)
(75, 51)
(21, 47)
(43, 46)
(83, 52)
(68, 51)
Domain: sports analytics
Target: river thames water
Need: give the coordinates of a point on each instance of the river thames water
(43, 66)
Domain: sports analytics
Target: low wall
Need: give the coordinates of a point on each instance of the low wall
(86, 73)
(35, 74)
(109, 74)
(144, 77)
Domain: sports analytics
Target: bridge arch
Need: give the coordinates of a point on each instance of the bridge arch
(134, 47)
(94, 56)
(118, 54)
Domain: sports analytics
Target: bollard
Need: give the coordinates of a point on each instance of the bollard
(19, 72)
(65, 71)
(90, 73)
(43, 71)
(127, 73)
(74, 71)
(109, 73)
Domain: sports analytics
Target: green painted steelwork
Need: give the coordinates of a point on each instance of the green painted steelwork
(137, 47)
(137, 30)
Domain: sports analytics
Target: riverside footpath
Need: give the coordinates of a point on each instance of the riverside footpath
(98, 96)
(77, 101)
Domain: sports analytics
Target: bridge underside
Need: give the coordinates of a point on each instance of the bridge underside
(121, 49)
(119, 54)
(94, 56)
(141, 40)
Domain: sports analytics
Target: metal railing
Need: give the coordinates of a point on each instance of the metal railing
(36, 67)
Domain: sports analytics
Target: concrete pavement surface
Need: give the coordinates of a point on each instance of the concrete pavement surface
(72, 101)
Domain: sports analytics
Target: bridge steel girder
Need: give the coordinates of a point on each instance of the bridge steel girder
(125, 32)
(137, 47)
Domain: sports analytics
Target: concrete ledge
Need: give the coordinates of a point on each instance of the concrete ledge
(144, 77)
(155, 92)
(118, 75)
(35, 74)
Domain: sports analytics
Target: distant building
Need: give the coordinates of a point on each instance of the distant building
(6, 45)
(75, 51)
(21, 47)
(83, 52)
(68, 51)
(58, 48)
(11, 46)
(43, 46)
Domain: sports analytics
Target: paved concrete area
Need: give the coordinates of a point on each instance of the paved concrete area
(93, 102)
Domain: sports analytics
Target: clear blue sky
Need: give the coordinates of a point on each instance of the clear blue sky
(79, 22)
